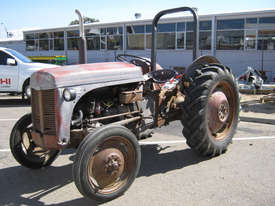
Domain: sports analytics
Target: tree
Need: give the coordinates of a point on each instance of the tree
(86, 20)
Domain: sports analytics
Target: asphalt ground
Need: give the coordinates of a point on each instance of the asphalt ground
(170, 174)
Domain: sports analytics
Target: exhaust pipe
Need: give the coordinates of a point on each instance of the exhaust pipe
(82, 40)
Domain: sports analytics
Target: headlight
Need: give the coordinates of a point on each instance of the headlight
(69, 94)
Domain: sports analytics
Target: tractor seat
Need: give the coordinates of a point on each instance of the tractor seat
(145, 66)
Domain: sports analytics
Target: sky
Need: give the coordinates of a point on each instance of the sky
(35, 14)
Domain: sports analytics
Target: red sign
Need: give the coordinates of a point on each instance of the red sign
(5, 81)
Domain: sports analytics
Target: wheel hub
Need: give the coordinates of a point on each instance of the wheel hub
(108, 166)
(223, 112)
(112, 163)
(218, 111)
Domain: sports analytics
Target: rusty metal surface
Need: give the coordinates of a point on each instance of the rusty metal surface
(75, 75)
(46, 141)
(219, 110)
(126, 121)
(130, 97)
(107, 166)
(44, 111)
(113, 116)
(111, 164)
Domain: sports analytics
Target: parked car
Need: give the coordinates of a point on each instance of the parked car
(15, 72)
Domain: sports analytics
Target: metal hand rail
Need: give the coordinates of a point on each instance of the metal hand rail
(154, 32)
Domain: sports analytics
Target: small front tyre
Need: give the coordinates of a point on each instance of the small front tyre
(23, 148)
(107, 164)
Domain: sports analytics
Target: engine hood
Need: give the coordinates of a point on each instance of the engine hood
(75, 75)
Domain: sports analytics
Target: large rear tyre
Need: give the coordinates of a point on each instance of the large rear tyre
(107, 163)
(211, 109)
(23, 148)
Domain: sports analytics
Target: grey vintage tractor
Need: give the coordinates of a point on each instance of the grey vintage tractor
(103, 109)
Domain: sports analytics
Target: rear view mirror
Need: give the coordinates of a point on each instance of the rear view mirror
(11, 62)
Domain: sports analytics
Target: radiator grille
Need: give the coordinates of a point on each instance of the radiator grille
(43, 111)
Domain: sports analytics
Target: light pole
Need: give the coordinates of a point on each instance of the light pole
(5, 29)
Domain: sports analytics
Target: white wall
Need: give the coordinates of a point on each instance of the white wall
(238, 61)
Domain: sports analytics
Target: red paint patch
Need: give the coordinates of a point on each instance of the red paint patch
(63, 71)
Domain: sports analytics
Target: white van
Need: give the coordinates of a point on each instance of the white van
(15, 72)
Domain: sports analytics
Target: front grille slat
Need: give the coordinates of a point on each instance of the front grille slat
(43, 111)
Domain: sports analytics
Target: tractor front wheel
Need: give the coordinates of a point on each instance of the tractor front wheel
(106, 163)
(24, 149)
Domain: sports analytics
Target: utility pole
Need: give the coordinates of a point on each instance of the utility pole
(5, 29)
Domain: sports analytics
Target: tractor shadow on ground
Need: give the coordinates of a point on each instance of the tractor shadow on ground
(22, 186)
(14, 102)
(154, 161)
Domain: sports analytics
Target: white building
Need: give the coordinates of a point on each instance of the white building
(238, 40)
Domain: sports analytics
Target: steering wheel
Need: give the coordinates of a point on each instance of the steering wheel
(125, 58)
(162, 76)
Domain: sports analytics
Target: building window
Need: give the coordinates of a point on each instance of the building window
(266, 40)
(166, 36)
(267, 20)
(43, 36)
(112, 37)
(135, 41)
(93, 39)
(180, 40)
(58, 44)
(135, 37)
(266, 33)
(73, 44)
(31, 41)
(180, 35)
(31, 45)
(230, 34)
(230, 24)
(230, 40)
(103, 42)
(204, 35)
(58, 41)
(250, 39)
(43, 41)
(205, 40)
(72, 39)
(43, 45)
(93, 43)
(114, 42)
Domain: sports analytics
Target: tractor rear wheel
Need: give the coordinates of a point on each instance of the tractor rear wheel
(211, 109)
(107, 163)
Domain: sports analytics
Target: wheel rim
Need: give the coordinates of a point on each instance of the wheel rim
(221, 110)
(31, 150)
(111, 164)
(28, 91)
